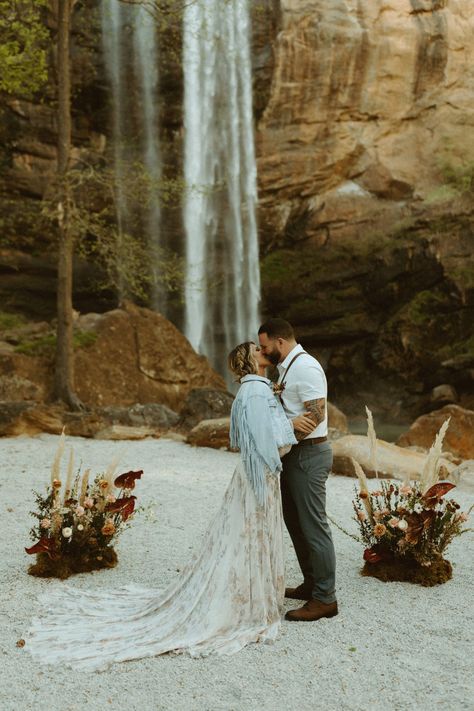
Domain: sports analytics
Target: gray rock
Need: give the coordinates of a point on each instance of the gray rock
(204, 404)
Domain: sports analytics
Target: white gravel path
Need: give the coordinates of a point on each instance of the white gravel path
(393, 646)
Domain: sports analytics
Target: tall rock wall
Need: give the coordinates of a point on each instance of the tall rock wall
(366, 99)
(366, 170)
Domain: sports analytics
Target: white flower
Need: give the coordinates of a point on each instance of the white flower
(80, 527)
(403, 525)
(418, 508)
(67, 532)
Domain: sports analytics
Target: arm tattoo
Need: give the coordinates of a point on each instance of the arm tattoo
(317, 409)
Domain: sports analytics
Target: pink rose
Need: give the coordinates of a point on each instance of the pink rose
(45, 523)
(361, 515)
(394, 522)
(80, 510)
(89, 503)
(405, 490)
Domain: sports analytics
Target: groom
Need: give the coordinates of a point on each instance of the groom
(305, 469)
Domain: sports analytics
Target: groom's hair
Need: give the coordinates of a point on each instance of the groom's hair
(277, 328)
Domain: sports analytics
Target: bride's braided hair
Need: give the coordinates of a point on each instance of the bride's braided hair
(242, 361)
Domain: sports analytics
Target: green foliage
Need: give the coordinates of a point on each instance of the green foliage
(9, 321)
(45, 345)
(460, 177)
(123, 256)
(23, 45)
(84, 339)
(425, 307)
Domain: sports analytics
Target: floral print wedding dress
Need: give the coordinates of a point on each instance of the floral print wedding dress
(231, 592)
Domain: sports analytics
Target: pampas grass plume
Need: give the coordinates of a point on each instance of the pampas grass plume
(429, 475)
(363, 486)
(372, 437)
(110, 471)
(55, 468)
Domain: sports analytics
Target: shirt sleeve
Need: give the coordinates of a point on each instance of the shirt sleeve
(312, 385)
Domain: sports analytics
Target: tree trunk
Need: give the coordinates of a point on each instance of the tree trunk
(64, 369)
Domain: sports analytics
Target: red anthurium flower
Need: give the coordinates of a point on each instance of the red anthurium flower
(44, 545)
(437, 491)
(127, 480)
(124, 506)
(371, 556)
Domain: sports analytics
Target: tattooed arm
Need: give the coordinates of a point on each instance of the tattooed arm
(305, 424)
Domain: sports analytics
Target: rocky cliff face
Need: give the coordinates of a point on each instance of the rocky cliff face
(366, 98)
(364, 129)
(369, 113)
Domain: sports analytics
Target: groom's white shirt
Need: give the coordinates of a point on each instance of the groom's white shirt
(306, 381)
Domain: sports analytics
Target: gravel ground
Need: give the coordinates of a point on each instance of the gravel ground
(393, 646)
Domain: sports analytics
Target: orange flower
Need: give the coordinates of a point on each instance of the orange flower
(363, 495)
(104, 484)
(379, 530)
(56, 484)
(108, 529)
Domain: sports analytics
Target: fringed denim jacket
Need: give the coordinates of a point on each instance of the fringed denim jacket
(258, 428)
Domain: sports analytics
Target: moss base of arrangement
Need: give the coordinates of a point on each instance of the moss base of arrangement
(410, 571)
(65, 566)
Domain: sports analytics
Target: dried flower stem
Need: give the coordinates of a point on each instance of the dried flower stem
(55, 468)
(372, 437)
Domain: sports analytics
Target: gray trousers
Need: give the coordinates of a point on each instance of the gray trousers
(303, 491)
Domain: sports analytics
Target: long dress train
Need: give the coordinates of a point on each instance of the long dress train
(230, 594)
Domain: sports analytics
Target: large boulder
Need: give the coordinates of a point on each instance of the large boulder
(392, 461)
(337, 419)
(459, 438)
(204, 404)
(210, 433)
(123, 357)
(140, 357)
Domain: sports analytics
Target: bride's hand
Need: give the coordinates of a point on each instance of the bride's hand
(303, 423)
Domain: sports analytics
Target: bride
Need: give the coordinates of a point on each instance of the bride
(231, 592)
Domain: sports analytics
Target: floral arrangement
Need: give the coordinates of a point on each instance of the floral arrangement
(78, 523)
(278, 388)
(406, 527)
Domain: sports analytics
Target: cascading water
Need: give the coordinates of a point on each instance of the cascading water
(222, 267)
(131, 57)
(146, 70)
(111, 16)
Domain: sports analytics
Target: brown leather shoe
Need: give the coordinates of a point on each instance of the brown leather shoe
(302, 592)
(312, 610)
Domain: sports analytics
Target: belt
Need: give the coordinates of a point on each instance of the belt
(312, 440)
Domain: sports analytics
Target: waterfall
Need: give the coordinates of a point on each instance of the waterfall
(111, 16)
(146, 71)
(222, 267)
(131, 60)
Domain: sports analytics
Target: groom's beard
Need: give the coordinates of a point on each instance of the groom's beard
(274, 356)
